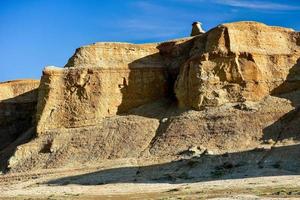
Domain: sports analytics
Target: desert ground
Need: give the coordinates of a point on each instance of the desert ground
(127, 180)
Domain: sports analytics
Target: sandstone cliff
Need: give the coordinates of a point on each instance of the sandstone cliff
(238, 62)
(232, 89)
(100, 80)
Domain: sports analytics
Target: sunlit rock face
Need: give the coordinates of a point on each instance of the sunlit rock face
(100, 80)
(237, 62)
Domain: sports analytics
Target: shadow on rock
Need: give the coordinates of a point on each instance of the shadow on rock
(287, 127)
(17, 122)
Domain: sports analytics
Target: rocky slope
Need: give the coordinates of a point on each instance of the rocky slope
(231, 90)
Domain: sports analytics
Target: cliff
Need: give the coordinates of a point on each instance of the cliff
(232, 89)
(239, 62)
(18, 101)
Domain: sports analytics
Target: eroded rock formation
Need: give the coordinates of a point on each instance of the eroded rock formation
(234, 88)
(238, 62)
(100, 80)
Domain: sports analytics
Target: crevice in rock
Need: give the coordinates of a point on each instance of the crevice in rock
(47, 147)
(226, 38)
(175, 54)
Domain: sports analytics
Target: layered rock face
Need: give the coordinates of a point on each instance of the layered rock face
(18, 101)
(238, 62)
(232, 89)
(100, 80)
(105, 79)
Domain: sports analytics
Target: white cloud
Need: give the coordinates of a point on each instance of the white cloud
(263, 5)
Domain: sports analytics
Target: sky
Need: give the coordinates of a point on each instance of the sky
(38, 33)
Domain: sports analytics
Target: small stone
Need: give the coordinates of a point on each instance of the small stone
(164, 120)
(208, 152)
(197, 150)
(270, 141)
(264, 148)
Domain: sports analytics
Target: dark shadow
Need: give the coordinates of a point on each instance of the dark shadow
(146, 83)
(152, 77)
(197, 169)
(17, 117)
(288, 126)
(148, 91)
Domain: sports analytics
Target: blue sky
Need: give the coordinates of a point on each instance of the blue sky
(36, 33)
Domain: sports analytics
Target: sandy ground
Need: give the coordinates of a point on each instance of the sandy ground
(53, 184)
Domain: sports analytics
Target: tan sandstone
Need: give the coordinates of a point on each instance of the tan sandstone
(100, 80)
(243, 61)
(229, 90)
